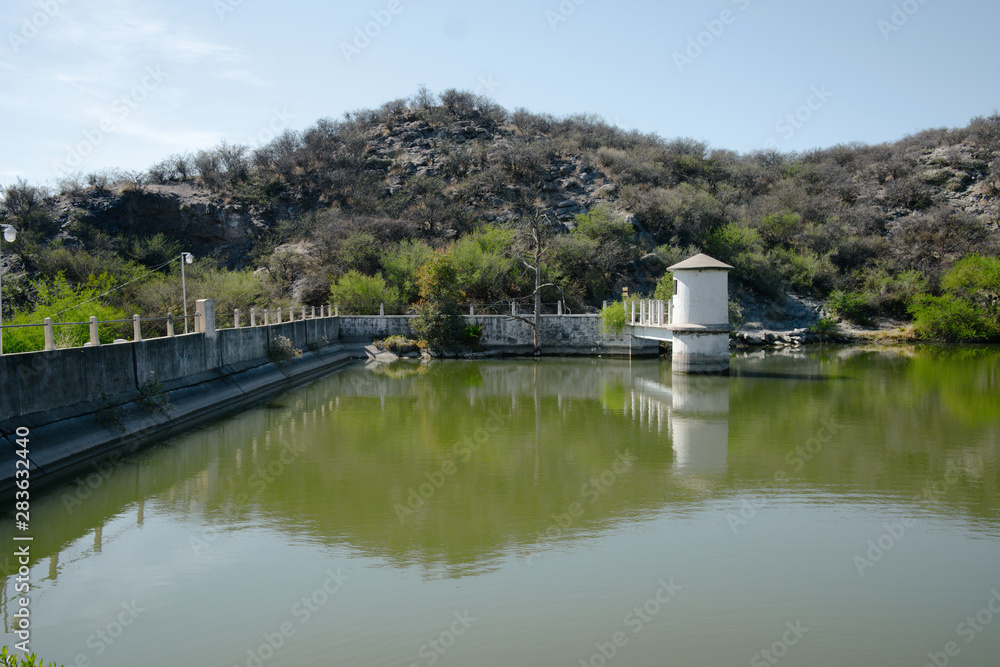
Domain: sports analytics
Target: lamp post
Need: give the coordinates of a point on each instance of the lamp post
(9, 235)
(186, 258)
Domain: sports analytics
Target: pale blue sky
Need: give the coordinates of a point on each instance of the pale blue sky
(92, 84)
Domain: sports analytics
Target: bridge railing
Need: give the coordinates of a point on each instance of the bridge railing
(650, 312)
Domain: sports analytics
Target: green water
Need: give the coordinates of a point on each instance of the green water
(827, 507)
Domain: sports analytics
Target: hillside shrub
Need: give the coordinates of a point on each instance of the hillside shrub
(358, 294)
(969, 310)
(614, 318)
(64, 303)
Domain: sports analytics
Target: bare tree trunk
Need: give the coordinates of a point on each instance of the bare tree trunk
(538, 285)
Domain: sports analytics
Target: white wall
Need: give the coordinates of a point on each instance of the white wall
(702, 297)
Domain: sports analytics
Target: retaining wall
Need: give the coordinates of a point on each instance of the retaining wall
(86, 404)
(560, 334)
(82, 405)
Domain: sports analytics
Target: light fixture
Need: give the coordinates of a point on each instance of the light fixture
(9, 235)
(186, 258)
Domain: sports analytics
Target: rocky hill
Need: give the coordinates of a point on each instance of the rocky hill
(874, 223)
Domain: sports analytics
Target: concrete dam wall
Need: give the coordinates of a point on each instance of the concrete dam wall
(82, 405)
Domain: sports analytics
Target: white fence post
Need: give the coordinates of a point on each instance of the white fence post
(136, 329)
(94, 339)
(50, 339)
(170, 325)
(236, 318)
(206, 315)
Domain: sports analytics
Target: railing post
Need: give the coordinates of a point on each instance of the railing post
(303, 313)
(472, 310)
(50, 339)
(136, 330)
(632, 321)
(236, 318)
(170, 325)
(267, 317)
(278, 310)
(513, 308)
(336, 310)
(94, 339)
(206, 317)
(291, 314)
(559, 307)
(381, 310)
(314, 312)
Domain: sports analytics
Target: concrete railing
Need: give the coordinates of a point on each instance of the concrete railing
(650, 312)
(174, 324)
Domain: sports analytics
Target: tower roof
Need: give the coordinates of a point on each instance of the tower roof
(700, 262)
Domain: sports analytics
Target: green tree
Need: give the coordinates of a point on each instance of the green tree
(969, 310)
(402, 265)
(361, 295)
(439, 318)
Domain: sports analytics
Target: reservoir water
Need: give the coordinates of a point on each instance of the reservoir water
(825, 506)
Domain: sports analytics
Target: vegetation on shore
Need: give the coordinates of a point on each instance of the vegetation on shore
(349, 211)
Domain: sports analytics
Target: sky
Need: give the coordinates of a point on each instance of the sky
(88, 85)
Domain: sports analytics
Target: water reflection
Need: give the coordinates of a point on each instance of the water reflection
(452, 464)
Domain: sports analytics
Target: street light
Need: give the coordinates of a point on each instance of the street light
(186, 258)
(9, 235)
